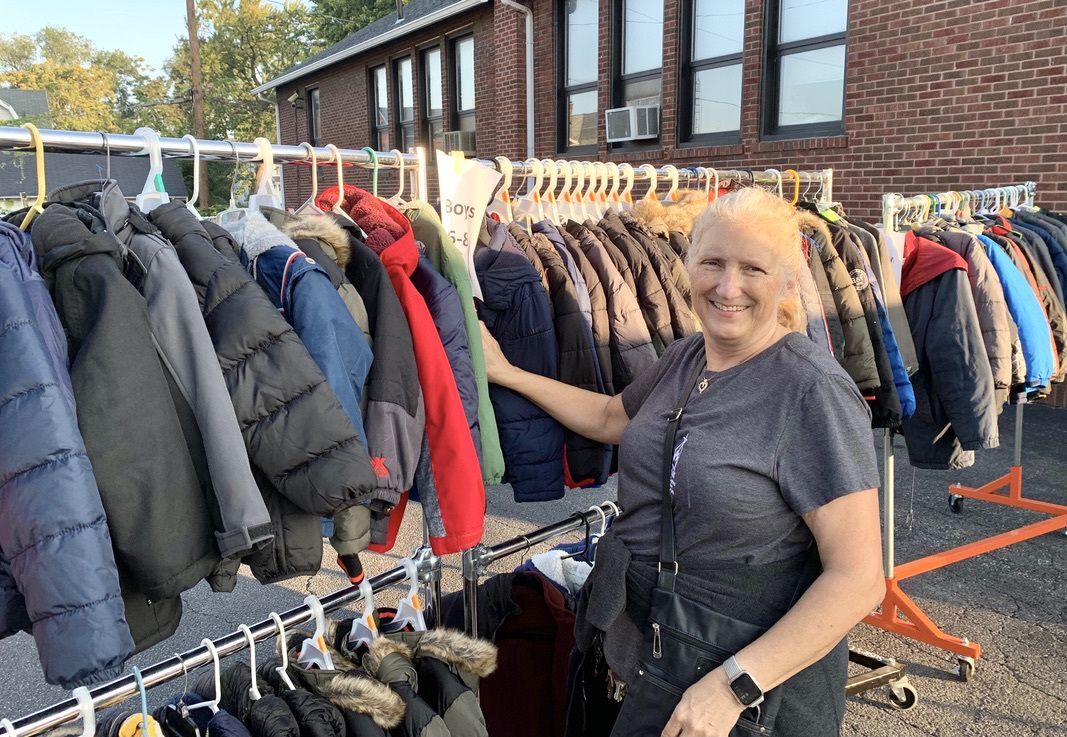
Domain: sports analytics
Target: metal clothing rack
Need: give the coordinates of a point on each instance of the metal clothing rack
(899, 613)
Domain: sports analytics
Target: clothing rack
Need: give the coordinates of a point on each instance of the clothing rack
(899, 613)
(124, 144)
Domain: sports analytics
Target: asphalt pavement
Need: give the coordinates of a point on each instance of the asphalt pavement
(1013, 602)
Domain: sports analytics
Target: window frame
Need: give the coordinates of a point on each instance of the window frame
(424, 95)
(564, 93)
(400, 126)
(687, 71)
(620, 80)
(771, 84)
(314, 115)
(455, 114)
(375, 128)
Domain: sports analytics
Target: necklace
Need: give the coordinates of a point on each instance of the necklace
(702, 385)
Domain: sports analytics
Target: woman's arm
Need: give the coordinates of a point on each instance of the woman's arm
(847, 531)
(595, 416)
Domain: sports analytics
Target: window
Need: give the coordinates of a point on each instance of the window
(405, 104)
(640, 68)
(710, 79)
(380, 103)
(314, 125)
(578, 94)
(804, 91)
(433, 109)
(463, 99)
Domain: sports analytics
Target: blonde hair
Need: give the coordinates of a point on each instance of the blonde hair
(753, 207)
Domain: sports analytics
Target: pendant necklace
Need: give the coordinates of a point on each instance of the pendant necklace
(702, 385)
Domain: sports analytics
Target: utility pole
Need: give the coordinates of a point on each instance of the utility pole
(198, 92)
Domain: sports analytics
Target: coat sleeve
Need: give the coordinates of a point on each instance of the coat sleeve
(52, 523)
(859, 359)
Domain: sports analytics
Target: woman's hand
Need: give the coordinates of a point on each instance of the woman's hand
(496, 365)
(708, 709)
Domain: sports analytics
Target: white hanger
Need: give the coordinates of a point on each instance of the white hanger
(397, 199)
(88, 711)
(503, 194)
(194, 146)
(653, 180)
(8, 727)
(409, 610)
(337, 207)
(266, 195)
(713, 189)
(567, 209)
(672, 174)
(364, 628)
(603, 181)
(232, 213)
(309, 204)
(529, 204)
(283, 669)
(154, 193)
(613, 192)
(603, 520)
(578, 193)
(253, 691)
(549, 194)
(778, 176)
(614, 507)
(213, 705)
(591, 203)
(313, 650)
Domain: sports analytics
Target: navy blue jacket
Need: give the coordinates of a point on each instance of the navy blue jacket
(517, 312)
(1050, 232)
(52, 522)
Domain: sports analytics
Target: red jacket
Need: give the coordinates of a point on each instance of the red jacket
(457, 476)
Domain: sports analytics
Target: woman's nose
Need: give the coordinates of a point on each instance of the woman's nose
(729, 285)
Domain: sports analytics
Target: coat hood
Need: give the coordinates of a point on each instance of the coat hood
(259, 236)
(326, 231)
(459, 650)
(679, 216)
(924, 261)
(388, 232)
(814, 226)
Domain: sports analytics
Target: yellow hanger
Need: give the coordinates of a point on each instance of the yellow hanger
(795, 176)
(38, 148)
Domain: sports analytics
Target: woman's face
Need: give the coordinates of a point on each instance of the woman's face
(739, 278)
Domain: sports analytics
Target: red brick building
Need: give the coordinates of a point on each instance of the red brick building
(908, 96)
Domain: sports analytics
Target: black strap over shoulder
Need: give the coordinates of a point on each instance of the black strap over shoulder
(668, 561)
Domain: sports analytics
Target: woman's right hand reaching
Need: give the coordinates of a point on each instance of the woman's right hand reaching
(497, 365)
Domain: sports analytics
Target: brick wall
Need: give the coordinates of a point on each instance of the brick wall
(939, 95)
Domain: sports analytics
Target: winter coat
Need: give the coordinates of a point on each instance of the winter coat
(1053, 236)
(390, 661)
(127, 417)
(1029, 317)
(617, 258)
(857, 351)
(834, 331)
(450, 263)
(671, 273)
(521, 239)
(598, 303)
(277, 392)
(817, 329)
(956, 411)
(235, 679)
(649, 289)
(580, 288)
(629, 342)
(182, 339)
(52, 521)
(517, 313)
(993, 315)
(455, 507)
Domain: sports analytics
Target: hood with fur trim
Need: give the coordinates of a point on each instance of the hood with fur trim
(813, 225)
(458, 650)
(326, 231)
(679, 216)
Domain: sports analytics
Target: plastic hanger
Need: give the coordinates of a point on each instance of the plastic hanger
(529, 204)
(232, 213)
(672, 174)
(86, 709)
(578, 192)
(567, 209)
(503, 194)
(778, 183)
(213, 705)
(713, 189)
(364, 628)
(194, 147)
(653, 180)
(549, 194)
(604, 181)
(613, 192)
(253, 691)
(37, 207)
(266, 195)
(591, 183)
(309, 204)
(313, 650)
(8, 727)
(409, 610)
(154, 193)
(337, 206)
(626, 196)
(374, 169)
(146, 721)
(283, 669)
(174, 718)
(795, 176)
(397, 200)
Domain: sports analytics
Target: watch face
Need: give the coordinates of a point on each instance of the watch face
(746, 690)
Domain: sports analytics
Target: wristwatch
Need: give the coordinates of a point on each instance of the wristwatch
(747, 692)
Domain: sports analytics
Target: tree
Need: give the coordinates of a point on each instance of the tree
(335, 19)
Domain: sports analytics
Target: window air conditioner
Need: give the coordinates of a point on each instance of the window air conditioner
(460, 141)
(633, 123)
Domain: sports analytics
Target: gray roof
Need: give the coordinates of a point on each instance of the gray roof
(27, 103)
(18, 174)
(417, 14)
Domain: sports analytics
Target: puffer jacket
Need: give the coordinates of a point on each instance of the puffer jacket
(598, 303)
(649, 290)
(857, 350)
(670, 271)
(277, 392)
(455, 507)
(1052, 235)
(993, 315)
(450, 263)
(521, 239)
(616, 256)
(516, 310)
(629, 342)
(390, 661)
(956, 411)
(834, 331)
(51, 518)
(235, 679)
(128, 420)
(174, 316)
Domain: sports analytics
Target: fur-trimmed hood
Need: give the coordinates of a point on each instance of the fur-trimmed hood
(454, 648)
(326, 231)
(813, 225)
(679, 216)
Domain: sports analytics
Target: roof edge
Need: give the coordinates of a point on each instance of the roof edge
(430, 18)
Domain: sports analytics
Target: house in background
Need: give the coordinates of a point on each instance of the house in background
(910, 96)
(25, 106)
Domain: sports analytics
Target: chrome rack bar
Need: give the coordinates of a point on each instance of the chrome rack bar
(476, 560)
(120, 689)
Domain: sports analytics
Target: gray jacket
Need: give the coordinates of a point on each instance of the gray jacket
(185, 347)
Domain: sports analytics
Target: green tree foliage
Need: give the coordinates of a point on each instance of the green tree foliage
(335, 19)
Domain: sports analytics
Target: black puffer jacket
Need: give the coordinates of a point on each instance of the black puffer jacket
(160, 525)
(671, 273)
(279, 395)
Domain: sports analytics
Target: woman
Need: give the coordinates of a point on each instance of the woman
(772, 453)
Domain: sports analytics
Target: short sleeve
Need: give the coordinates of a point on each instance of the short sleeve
(826, 449)
(635, 393)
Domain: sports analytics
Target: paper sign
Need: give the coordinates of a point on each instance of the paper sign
(466, 188)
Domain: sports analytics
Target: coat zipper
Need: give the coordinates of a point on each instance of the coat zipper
(657, 644)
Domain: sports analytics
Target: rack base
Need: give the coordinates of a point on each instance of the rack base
(881, 672)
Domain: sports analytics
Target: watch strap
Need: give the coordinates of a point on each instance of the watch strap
(732, 668)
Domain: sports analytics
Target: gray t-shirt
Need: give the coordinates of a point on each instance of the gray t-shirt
(767, 441)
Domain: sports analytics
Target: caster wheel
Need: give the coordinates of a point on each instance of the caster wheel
(965, 669)
(955, 503)
(903, 696)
